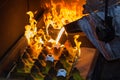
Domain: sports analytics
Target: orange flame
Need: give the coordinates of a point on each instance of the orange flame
(63, 12)
(31, 29)
(77, 43)
(58, 14)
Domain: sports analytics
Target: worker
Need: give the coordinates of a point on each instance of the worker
(93, 26)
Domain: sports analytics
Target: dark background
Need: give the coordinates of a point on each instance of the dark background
(13, 18)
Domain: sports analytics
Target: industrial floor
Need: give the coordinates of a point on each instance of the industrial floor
(93, 66)
(106, 70)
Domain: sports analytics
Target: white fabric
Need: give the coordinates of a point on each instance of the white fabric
(62, 72)
(50, 58)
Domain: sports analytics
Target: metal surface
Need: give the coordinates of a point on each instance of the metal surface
(12, 56)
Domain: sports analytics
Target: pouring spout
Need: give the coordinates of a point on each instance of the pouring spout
(73, 27)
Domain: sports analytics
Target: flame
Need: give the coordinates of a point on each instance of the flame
(77, 43)
(63, 12)
(60, 34)
(31, 29)
(58, 14)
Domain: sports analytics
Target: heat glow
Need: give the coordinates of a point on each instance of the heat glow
(58, 14)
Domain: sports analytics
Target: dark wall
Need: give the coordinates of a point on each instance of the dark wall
(12, 22)
(13, 18)
(34, 5)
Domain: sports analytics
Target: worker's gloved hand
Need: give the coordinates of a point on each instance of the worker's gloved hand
(106, 33)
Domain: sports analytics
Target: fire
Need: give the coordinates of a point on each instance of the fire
(60, 34)
(57, 15)
(63, 12)
(31, 29)
(77, 43)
